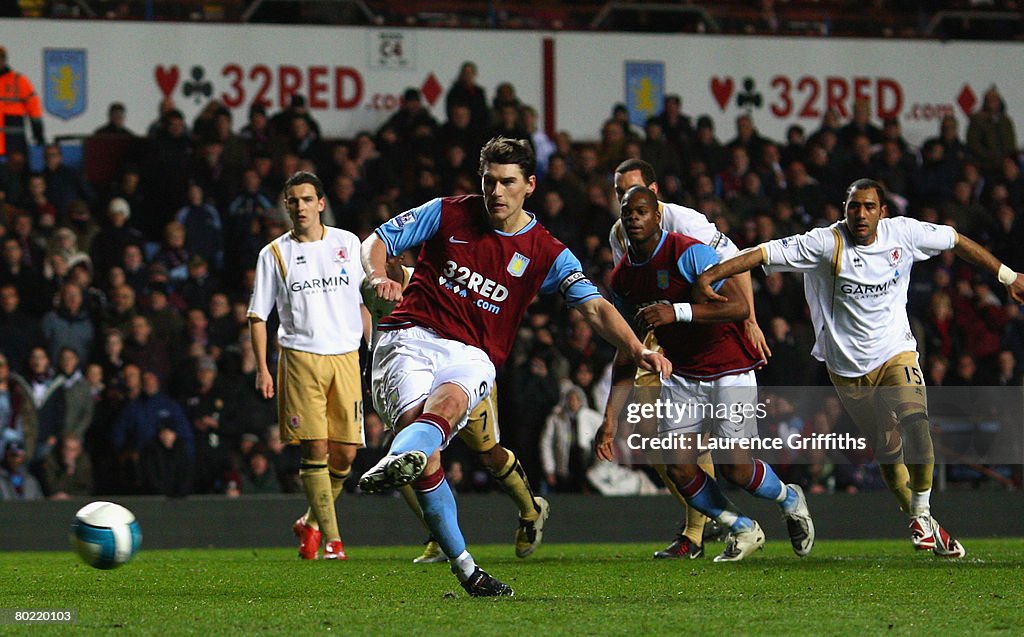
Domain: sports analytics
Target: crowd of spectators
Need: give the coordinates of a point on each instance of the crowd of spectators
(126, 365)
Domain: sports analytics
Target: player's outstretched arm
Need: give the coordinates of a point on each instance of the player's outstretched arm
(373, 255)
(745, 261)
(969, 250)
(607, 322)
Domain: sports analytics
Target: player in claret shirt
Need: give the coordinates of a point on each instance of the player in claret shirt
(482, 260)
(856, 275)
(689, 541)
(482, 435)
(712, 366)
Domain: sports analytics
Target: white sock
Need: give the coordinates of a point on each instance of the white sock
(920, 502)
(463, 566)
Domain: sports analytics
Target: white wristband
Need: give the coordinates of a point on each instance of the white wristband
(1006, 275)
(684, 312)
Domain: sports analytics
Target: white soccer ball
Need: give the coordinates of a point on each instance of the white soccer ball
(105, 535)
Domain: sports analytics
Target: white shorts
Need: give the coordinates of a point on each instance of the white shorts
(409, 364)
(724, 408)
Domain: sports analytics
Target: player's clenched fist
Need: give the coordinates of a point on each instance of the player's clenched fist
(386, 289)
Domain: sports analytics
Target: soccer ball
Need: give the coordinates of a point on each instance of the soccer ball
(105, 535)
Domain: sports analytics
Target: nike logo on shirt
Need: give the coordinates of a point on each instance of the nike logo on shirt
(452, 239)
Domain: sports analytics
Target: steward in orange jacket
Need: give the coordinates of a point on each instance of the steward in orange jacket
(18, 100)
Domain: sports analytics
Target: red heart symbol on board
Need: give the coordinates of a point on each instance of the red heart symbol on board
(721, 88)
(167, 79)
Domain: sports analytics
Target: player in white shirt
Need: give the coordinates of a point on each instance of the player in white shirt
(482, 434)
(856, 274)
(689, 541)
(312, 274)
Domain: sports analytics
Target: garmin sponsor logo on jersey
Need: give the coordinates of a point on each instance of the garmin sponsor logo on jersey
(320, 284)
(570, 281)
(461, 280)
(517, 264)
(864, 291)
(404, 218)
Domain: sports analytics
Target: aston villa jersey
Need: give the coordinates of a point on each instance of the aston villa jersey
(702, 351)
(472, 283)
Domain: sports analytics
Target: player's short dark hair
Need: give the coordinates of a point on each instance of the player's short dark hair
(643, 191)
(505, 150)
(865, 184)
(645, 168)
(305, 177)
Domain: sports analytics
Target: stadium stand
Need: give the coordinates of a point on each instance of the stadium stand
(194, 306)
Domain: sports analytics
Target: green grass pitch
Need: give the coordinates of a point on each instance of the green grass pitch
(843, 588)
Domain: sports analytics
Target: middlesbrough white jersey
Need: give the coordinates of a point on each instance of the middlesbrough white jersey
(316, 287)
(858, 294)
(676, 218)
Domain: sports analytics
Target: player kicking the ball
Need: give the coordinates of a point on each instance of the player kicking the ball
(483, 259)
(483, 436)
